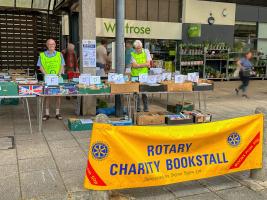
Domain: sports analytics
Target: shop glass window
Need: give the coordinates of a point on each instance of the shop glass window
(24, 3)
(40, 4)
(36, 4)
(246, 35)
(9, 3)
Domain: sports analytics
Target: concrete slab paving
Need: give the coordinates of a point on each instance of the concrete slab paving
(220, 183)
(64, 196)
(28, 149)
(8, 157)
(70, 159)
(10, 188)
(74, 180)
(65, 154)
(36, 164)
(6, 131)
(57, 135)
(240, 193)
(187, 188)
(81, 134)
(151, 193)
(28, 136)
(205, 196)
(41, 183)
(8, 170)
(61, 144)
(85, 147)
(87, 195)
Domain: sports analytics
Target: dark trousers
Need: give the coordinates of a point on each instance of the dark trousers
(144, 99)
(245, 82)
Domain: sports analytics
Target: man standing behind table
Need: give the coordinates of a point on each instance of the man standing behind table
(128, 56)
(140, 65)
(51, 62)
(101, 57)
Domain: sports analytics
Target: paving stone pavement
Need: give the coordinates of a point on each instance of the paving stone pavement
(51, 165)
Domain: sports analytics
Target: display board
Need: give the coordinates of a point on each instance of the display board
(142, 156)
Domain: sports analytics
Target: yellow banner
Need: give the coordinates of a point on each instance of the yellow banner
(140, 156)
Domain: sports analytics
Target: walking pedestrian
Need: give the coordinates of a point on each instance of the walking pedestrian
(245, 72)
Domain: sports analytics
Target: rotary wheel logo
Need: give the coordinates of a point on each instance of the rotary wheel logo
(234, 139)
(100, 150)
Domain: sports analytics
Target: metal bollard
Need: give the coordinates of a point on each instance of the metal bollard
(261, 174)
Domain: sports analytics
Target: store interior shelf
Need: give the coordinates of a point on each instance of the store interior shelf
(192, 54)
(219, 62)
(223, 59)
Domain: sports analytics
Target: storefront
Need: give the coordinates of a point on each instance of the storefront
(161, 38)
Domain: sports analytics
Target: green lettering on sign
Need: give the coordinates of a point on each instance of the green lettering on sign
(111, 27)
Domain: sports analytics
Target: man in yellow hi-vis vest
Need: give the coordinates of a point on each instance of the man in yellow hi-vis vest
(140, 65)
(51, 62)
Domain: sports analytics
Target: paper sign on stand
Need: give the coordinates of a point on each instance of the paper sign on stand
(156, 70)
(120, 79)
(112, 77)
(180, 78)
(51, 79)
(94, 80)
(167, 76)
(152, 79)
(84, 79)
(143, 78)
(159, 78)
(89, 53)
(193, 77)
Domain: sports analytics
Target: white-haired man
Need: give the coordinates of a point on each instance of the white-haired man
(140, 65)
(51, 62)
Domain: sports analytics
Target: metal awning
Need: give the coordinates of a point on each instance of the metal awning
(37, 5)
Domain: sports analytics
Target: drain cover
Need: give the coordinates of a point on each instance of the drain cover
(6, 142)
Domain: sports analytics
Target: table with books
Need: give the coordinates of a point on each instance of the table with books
(84, 85)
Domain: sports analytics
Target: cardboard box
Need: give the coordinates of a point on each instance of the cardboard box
(80, 124)
(208, 118)
(153, 88)
(28, 89)
(178, 87)
(176, 119)
(179, 107)
(200, 117)
(11, 101)
(93, 89)
(203, 85)
(8, 89)
(150, 118)
(128, 87)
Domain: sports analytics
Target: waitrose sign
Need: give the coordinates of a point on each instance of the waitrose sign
(140, 29)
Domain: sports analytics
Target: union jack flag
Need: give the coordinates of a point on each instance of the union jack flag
(30, 89)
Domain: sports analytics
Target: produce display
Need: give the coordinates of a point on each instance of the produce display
(217, 61)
